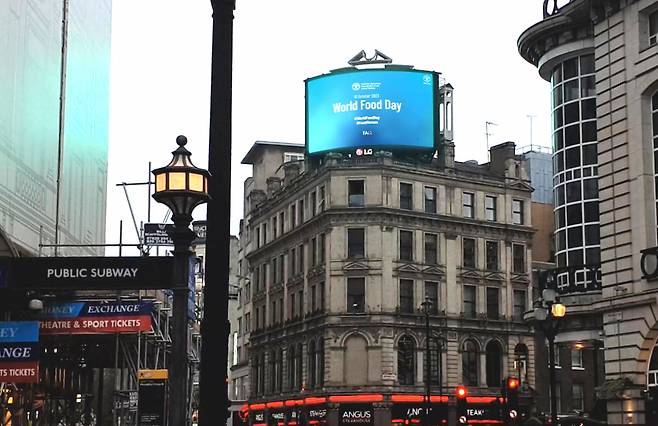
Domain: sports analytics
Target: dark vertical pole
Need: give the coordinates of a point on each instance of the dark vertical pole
(551, 355)
(213, 389)
(182, 237)
(428, 369)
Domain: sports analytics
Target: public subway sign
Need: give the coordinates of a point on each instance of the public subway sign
(19, 352)
(88, 273)
(96, 317)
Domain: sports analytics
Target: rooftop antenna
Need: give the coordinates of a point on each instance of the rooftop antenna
(362, 58)
(530, 117)
(488, 133)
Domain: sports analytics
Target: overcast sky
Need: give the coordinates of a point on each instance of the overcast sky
(160, 77)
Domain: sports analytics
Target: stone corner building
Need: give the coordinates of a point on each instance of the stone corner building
(339, 252)
(601, 58)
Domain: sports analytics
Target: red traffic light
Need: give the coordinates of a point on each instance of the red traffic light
(461, 391)
(512, 383)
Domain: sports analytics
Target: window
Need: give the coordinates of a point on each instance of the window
(314, 251)
(281, 310)
(300, 300)
(406, 364)
(430, 199)
(434, 359)
(301, 211)
(264, 233)
(469, 301)
(577, 358)
(311, 364)
(432, 295)
(322, 296)
(273, 312)
(313, 299)
(301, 250)
(293, 262)
(406, 197)
(406, 245)
(355, 243)
(293, 305)
(431, 257)
(281, 260)
(355, 193)
(257, 237)
(467, 201)
(320, 363)
(490, 207)
(492, 255)
(291, 367)
(272, 367)
(321, 201)
(321, 249)
(275, 228)
(468, 252)
(493, 305)
(578, 397)
(314, 203)
(247, 322)
(282, 220)
(247, 292)
(293, 215)
(407, 296)
(556, 359)
(517, 212)
(494, 359)
(519, 304)
(470, 363)
(292, 156)
(518, 261)
(653, 28)
(356, 295)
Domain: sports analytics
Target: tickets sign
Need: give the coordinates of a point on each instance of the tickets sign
(19, 352)
(95, 317)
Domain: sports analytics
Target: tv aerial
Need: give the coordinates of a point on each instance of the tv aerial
(362, 58)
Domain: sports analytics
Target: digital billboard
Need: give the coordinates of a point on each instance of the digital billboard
(374, 108)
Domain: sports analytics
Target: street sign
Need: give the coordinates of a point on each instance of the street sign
(89, 273)
(199, 227)
(95, 317)
(157, 234)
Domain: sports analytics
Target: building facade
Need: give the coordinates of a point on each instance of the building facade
(339, 256)
(601, 59)
(54, 107)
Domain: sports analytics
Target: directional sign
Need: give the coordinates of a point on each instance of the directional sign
(89, 273)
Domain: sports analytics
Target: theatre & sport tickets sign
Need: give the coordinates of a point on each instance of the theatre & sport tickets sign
(95, 317)
(19, 352)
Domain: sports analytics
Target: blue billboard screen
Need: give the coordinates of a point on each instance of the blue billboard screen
(384, 108)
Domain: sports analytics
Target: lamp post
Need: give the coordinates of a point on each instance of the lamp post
(181, 186)
(427, 307)
(547, 316)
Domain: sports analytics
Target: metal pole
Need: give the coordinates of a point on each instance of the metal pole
(62, 109)
(178, 369)
(551, 354)
(214, 401)
(428, 385)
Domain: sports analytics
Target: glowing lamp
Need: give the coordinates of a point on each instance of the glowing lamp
(558, 310)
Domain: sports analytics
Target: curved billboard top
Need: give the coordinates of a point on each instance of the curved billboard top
(374, 108)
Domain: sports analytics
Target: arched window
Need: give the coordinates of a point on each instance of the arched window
(494, 364)
(406, 355)
(254, 375)
(435, 362)
(312, 364)
(299, 366)
(279, 373)
(521, 362)
(470, 363)
(355, 361)
(291, 367)
(272, 362)
(261, 374)
(320, 352)
(652, 374)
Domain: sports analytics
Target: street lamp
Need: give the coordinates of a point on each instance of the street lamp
(547, 316)
(181, 186)
(426, 306)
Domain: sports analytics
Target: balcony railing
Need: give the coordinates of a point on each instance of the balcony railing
(571, 279)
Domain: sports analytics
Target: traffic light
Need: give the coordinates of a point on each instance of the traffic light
(512, 394)
(461, 393)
